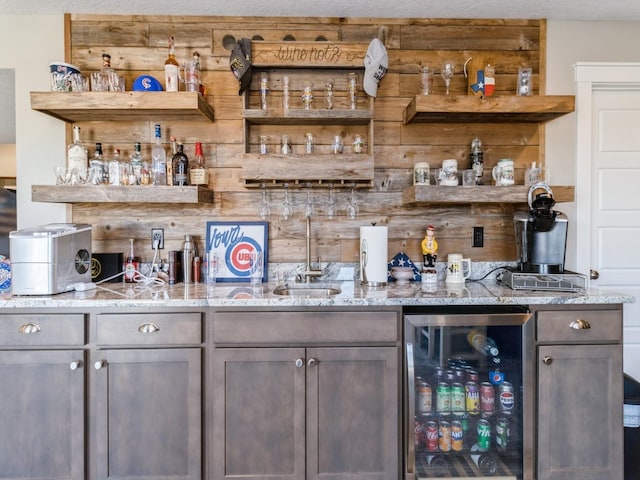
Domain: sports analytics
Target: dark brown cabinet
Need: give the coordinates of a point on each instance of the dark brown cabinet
(306, 411)
(580, 430)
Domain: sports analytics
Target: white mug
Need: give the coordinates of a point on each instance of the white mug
(449, 172)
(456, 272)
(503, 172)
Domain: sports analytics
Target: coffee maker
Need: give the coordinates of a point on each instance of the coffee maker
(541, 234)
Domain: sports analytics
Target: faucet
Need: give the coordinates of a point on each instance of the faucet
(309, 272)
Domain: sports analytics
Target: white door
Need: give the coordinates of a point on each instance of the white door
(609, 180)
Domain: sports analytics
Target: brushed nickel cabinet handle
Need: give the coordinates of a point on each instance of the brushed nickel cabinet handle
(299, 362)
(99, 364)
(29, 328)
(75, 364)
(312, 362)
(148, 327)
(579, 324)
(547, 360)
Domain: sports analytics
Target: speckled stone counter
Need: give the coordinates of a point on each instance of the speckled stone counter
(351, 293)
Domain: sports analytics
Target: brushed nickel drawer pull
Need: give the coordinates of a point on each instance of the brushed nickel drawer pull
(312, 362)
(148, 327)
(299, 362)
(547, 360)
(579, 324)
(29, 328)
(75, 364)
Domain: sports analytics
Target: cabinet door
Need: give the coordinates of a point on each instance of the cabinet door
(148, 414)
(42, 414)
(258, 414)
(580, 412)
(352, 413)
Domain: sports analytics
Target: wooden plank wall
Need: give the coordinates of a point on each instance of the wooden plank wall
(138, 45)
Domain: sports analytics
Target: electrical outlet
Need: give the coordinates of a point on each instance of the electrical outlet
(157, 237)
(478, 236)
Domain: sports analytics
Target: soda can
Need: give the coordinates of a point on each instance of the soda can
(484, 434)
(472, 376)
(496, 376)
(459, 373)
(444, 436)
(420, 431)
(424, 397)
(443, 398)
(507, 398)
(450, 376)
(457, 436)
(431, 436)
(487, 398)
(472, 398)
(457, 399)
(502, 433)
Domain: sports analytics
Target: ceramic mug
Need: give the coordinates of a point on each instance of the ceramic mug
(503, 172)
(449, 172)
(456, 272)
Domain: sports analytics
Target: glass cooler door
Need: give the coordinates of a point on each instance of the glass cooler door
(465, 384)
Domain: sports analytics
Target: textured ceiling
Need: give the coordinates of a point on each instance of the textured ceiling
(597, 10)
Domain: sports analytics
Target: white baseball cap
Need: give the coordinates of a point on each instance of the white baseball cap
(376, 63)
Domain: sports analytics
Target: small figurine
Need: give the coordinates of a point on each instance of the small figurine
(429, 249)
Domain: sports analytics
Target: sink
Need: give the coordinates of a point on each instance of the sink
(316, 290)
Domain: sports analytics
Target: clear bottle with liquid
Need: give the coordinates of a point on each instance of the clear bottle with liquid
(77, 155)
(159, 160)
(98, 170)
(171, 69)
(482, 343)
(192, 74)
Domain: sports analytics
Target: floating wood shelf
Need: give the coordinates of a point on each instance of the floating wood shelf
(431, 194)
(120, 194)
(337, 170)
(121, 106)
(498, 109)
(309, 117)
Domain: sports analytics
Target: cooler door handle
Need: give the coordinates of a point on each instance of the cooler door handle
(411, 421)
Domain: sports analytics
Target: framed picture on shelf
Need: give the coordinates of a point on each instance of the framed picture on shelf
(233, 244)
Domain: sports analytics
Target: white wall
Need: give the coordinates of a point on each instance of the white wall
(32, 42)
(568, 43)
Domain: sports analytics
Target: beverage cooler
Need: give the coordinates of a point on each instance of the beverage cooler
(469, 393)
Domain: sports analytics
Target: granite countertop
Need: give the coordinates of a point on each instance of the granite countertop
(487, 292)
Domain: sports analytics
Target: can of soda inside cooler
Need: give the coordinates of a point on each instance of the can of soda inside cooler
(457, 436)
(444, 436)
(507, 398)
(502, 433)
(487, 398)
(484, 434)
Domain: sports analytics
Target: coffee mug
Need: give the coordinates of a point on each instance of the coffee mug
(455, 268)
(449, 172)
(503, 172)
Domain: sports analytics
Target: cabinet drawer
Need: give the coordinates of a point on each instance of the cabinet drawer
(149, 329)
(42, 330)
(256, 328)
(565, 326)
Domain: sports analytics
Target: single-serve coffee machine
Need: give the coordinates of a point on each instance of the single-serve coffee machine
(541, 233)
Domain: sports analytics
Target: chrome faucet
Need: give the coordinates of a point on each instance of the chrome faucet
(309, 272)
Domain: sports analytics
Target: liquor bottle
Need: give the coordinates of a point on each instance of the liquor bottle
(98, 171)
(116, 172)
(131, 264)
(476, 159)
(180, 167)
(174, 150)
(136, 165)
(192, 74)
(77, 156)
(198, 173)
(159, 161)
(171, 69)
(482, 343)
(110, 80)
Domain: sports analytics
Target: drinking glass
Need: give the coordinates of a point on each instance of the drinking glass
(308, 206)
(352, 205)
(256, 259)
(352, 83)
(286, 209)
(211, 267)
(447, 70)
(264, 207)
(331, 204)
(63, 175)
(328, 97)
(307, 95)
(264, 90)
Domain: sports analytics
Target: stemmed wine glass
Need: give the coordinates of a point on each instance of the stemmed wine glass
(352, 205)
(264, 207)
(308, 206)
(287, 208)
(331, 205)
(447, 70)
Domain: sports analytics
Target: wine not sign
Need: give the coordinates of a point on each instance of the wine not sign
(308, 54)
